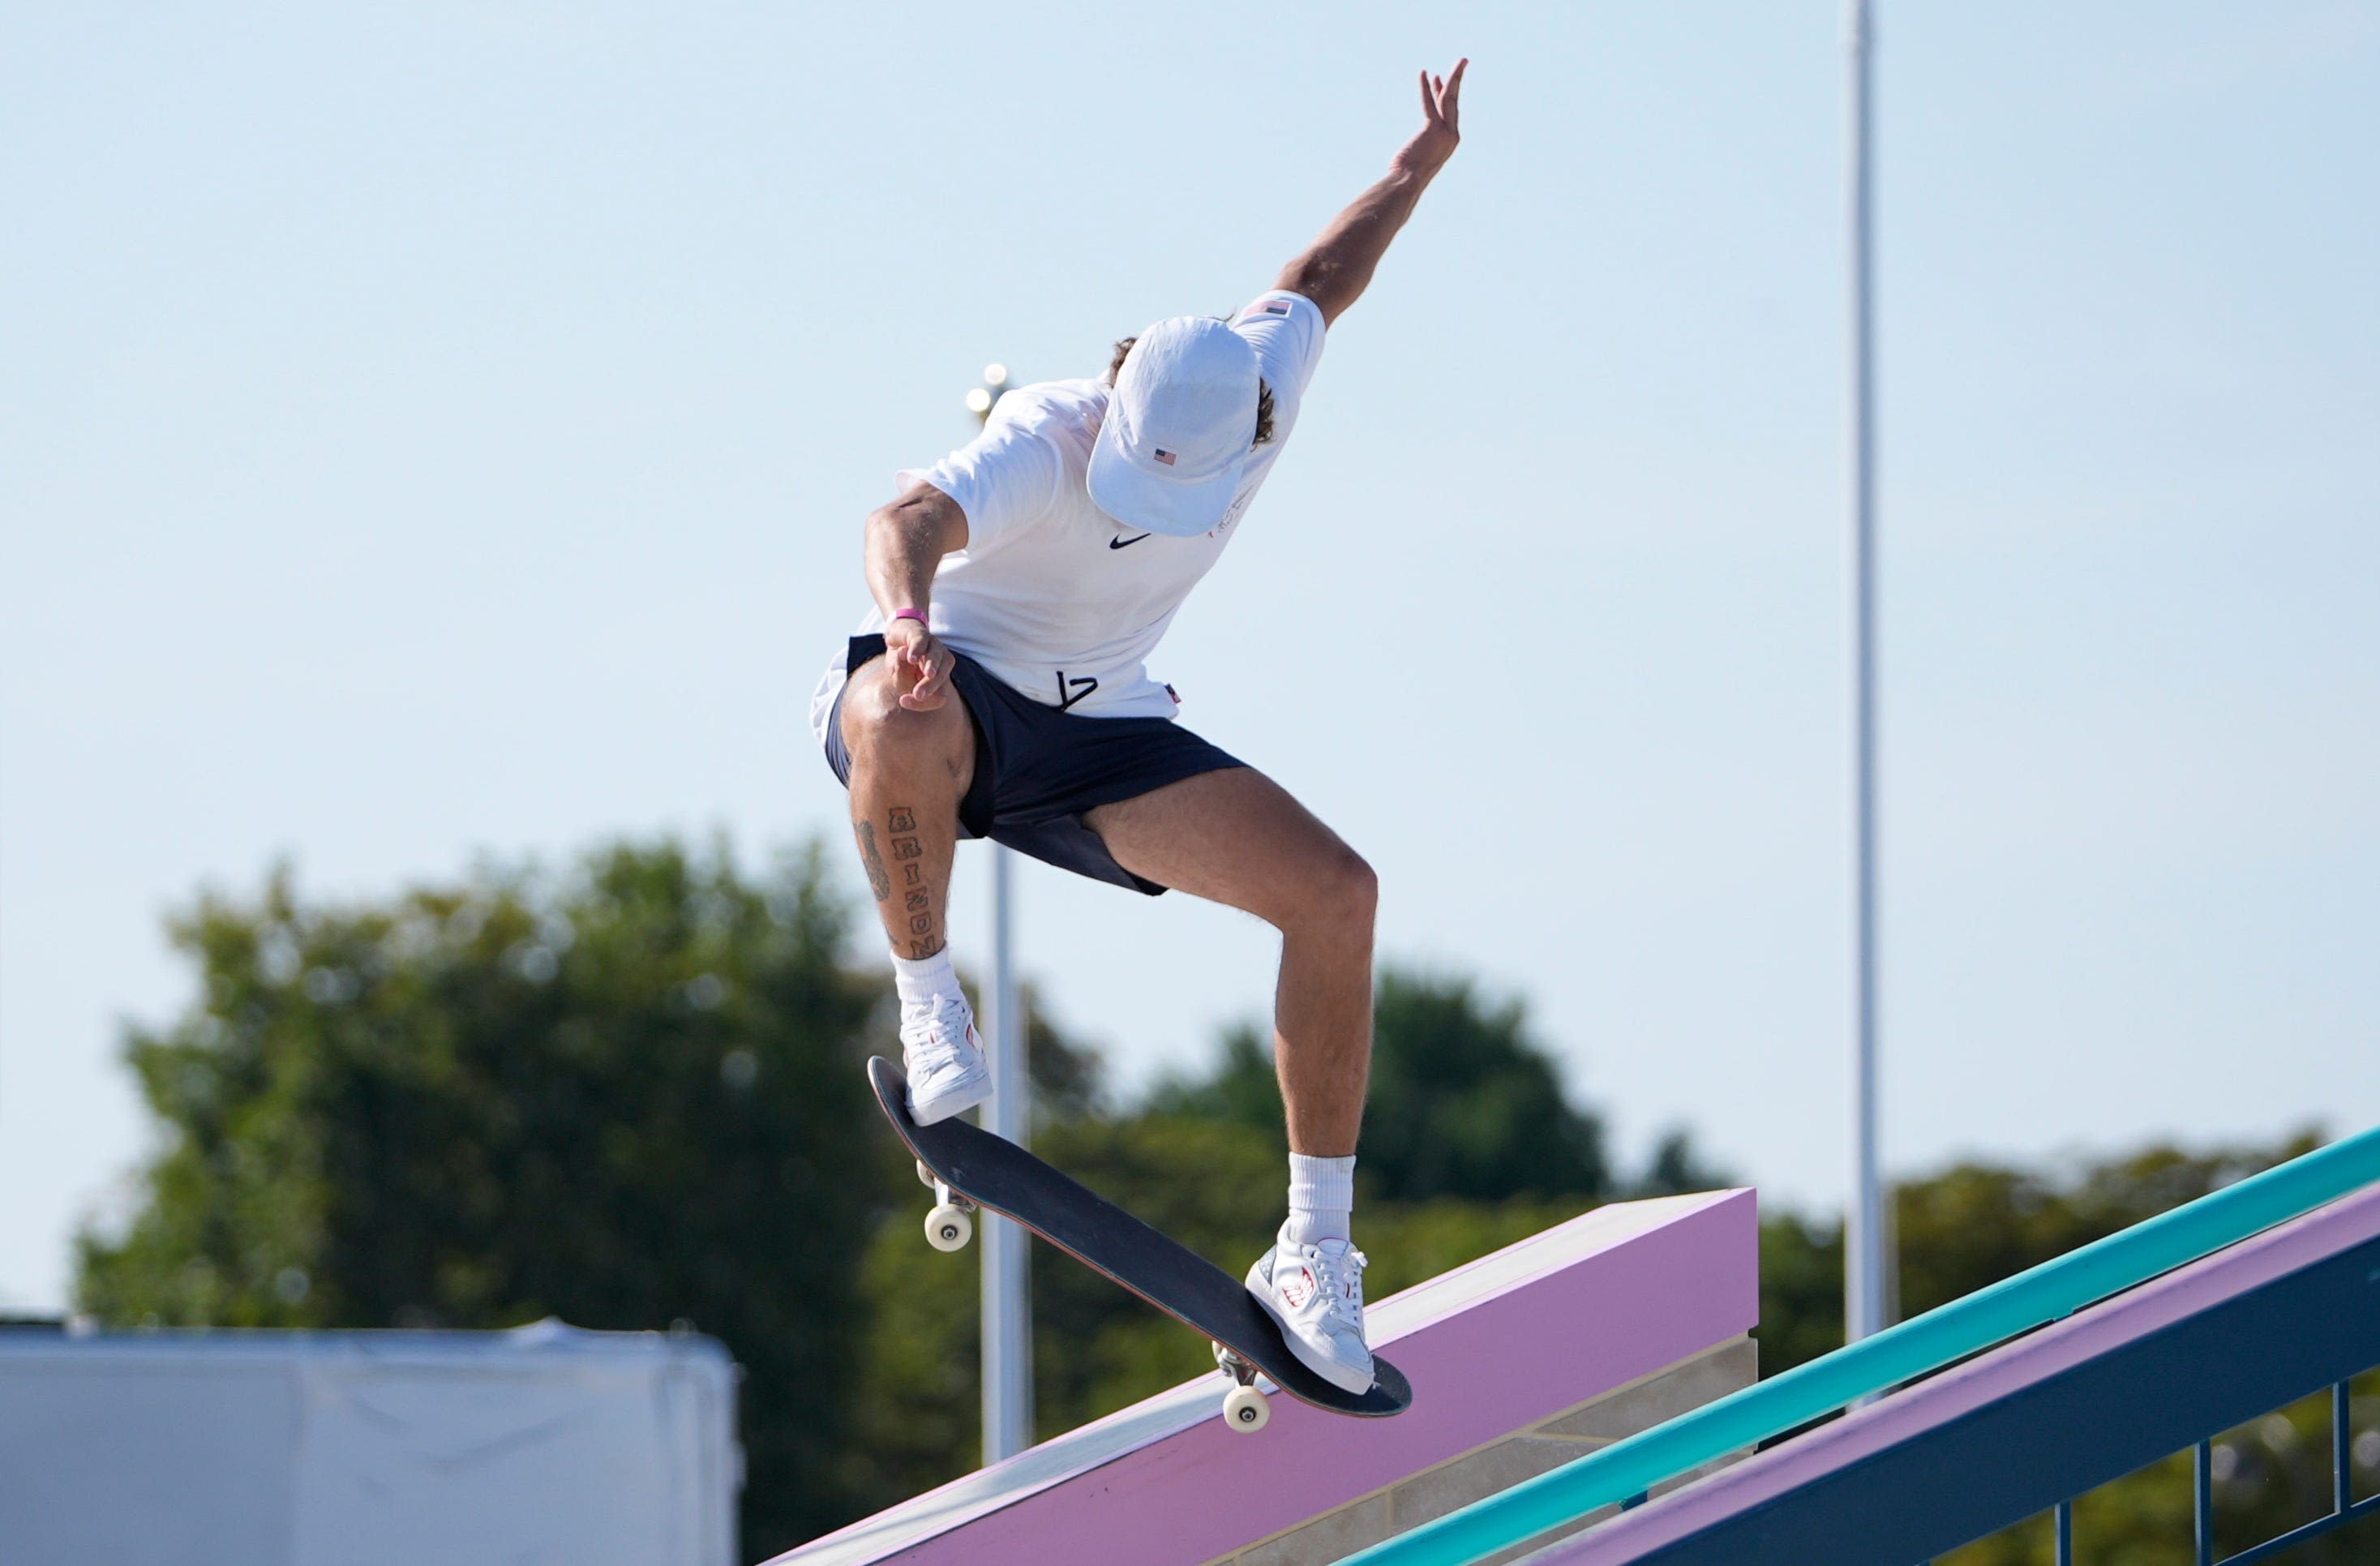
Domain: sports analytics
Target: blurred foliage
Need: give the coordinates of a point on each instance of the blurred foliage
(1974, 1225)
(1801, 1290)
(1463, 1102)
(1971, 1225)
(630, 1096)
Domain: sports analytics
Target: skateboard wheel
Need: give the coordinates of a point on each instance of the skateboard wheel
(1245, 1410)
(948, 1229)
(924, 1175)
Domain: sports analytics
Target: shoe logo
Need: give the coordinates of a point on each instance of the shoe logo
(1126, 544)
(1295, 1291)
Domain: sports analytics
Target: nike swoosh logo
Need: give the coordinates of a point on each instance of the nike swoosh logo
(1126, 544)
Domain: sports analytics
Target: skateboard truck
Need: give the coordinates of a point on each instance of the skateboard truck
(951, 1223)
(1245, 1409)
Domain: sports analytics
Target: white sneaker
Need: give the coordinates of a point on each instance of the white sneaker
(1316, 1294)
(942, 1056)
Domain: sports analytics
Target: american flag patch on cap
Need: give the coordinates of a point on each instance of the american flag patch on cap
(1266, 307)
(1163, 456)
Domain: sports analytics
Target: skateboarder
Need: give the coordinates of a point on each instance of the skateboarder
(998, 690)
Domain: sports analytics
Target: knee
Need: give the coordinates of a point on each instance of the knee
(876, 729)
(1339, 894)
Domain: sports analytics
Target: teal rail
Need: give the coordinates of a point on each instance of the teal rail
(1624, 1471)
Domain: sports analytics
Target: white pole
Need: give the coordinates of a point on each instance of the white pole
(1007, 1278)
(1007, 1284)
(1864, 1254)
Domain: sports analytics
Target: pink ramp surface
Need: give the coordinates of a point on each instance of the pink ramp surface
(1503, 1343)
(2109, 1325)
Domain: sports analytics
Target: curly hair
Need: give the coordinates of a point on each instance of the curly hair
(1264, 392)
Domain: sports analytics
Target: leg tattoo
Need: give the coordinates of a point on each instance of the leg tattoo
(878, 881)
(918, 899)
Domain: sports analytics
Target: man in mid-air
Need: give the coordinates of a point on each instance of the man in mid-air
(998, 690)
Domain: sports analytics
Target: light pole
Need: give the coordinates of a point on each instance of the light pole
(1007, 1281)
(1864, 1237)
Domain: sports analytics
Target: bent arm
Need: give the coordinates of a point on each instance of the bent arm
(906, 540)
(1335, 270)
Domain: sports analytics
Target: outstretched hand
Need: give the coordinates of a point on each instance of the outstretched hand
(1334, 271)
(1442, 124)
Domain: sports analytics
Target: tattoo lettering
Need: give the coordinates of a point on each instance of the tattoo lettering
(917, 900)
(919, 951)
(878, 881)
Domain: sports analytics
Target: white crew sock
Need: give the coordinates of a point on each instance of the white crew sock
(1321, 1200)
(922, 980)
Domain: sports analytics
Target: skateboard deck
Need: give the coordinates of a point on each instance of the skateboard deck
(998, 1175)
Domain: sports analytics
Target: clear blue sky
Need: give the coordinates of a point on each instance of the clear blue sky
(443, 429)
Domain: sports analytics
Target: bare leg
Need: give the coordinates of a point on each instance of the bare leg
(1236, 837)
(908, 772)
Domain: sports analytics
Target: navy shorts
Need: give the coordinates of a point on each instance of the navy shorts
(1037, 770)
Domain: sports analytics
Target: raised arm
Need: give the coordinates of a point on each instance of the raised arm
(1336, 269)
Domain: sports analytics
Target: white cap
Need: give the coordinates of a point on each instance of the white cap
(1179, 428)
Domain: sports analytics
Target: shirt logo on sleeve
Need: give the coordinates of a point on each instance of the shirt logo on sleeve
(1163, 455)
(1265, 307)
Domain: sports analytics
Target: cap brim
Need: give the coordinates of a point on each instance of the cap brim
(1129, 493)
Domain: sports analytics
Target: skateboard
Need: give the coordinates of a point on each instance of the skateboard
(969, 1168)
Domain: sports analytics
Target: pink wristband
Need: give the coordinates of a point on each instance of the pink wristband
(916, 614)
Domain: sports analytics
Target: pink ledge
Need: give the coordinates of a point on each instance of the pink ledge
(1492, 1347)
(2129, 1317)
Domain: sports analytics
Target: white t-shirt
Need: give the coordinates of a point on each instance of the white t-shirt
(1052, 595)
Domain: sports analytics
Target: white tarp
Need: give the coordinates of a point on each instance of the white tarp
(367, 1449)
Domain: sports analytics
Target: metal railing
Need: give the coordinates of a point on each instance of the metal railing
(2344, 1507)
(1625, 1472)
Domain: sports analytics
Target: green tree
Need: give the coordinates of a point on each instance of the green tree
(1976, 1224)
(1970, 1225)
(1463, 1102)
(1677, 1168)
(1801, 1290)
(628, 1096)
